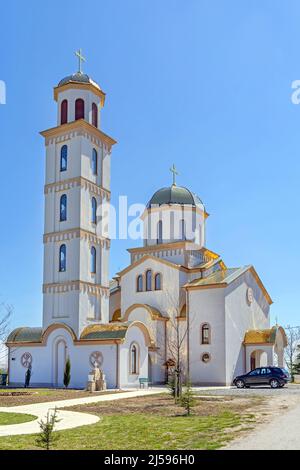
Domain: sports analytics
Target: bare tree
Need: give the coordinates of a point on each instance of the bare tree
(290, 353)
(176, 342)
(5, 316)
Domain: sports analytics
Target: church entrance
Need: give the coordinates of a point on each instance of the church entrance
(60, 356)
(258, 358)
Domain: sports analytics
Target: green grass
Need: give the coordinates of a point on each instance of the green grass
(15, 418)
(143, 431)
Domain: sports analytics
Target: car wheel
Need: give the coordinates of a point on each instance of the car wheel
(274, 383)
(240, 383)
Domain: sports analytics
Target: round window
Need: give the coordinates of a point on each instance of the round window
(205, 357)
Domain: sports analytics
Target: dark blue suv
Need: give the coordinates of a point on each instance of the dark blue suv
(276, 377)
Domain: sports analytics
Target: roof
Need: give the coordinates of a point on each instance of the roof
(225, 276)
(110, 331)
(26, 335)
(78, 77)
(175, 195)
(261, 336)
(147, 257)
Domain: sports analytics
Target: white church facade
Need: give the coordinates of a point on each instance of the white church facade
(175, 293)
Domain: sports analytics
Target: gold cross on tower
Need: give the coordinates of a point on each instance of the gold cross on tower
(80, 59)
(175, 172)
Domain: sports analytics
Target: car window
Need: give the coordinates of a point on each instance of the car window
(265, 371)
(255, 372)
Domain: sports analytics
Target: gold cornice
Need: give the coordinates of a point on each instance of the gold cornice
(78, 181)
(160, 247)
(75, 233)
(80, 86)
(79, 124)
(67, 286)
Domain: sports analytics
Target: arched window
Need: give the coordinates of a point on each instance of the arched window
(159, 232)
(94, 162)
(63, 208)
(205, 333)
(79, 109)
(64, 112)
(94, 210)
(62, 258)
(134, 359)
(157, 281)
(139, 283)
(94, 115)
(93, 260)
(182, 228)
(148, 280)
(64, 158)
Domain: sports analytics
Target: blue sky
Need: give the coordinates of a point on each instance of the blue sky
(203, 84)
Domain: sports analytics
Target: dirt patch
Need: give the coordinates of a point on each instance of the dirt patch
(163, 405)
(22, 397)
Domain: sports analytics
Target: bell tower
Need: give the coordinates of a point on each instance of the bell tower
(77, 183)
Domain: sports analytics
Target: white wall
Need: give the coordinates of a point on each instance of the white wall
(207, 306)
(240, 317)
(134, 335)
(44, 362)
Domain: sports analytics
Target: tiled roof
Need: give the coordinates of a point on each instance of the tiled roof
(25, 335)
(219, 277)
(109, 331)
(261, 336)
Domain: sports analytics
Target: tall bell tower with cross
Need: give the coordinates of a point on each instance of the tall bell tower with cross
(77, 186)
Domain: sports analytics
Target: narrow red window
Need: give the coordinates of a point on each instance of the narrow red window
(64, 112)
(94, 115)
(79, 109)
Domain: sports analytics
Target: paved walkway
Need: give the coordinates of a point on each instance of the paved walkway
(68, 419)
(282, 433)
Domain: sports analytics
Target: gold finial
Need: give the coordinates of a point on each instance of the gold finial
(175, 172)
(80, 59)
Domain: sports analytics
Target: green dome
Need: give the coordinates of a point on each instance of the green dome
(78, 77)
(175, 195)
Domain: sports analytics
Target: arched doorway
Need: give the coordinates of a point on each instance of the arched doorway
(60, 356)
(258, 358)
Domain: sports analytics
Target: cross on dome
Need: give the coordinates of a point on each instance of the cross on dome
(81, 59)
(175, 172)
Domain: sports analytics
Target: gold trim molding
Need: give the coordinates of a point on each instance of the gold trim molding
(78, 181)
(82, 286)
(79, 127)
(76, 233)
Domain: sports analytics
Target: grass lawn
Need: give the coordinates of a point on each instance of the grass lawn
(152, 422)
(14, 418)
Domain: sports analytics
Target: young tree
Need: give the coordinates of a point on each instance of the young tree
(67, 372)
(46, 438)
(290, 353)
(187, 399)
(27, 377)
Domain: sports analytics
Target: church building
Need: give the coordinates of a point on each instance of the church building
(176, 297)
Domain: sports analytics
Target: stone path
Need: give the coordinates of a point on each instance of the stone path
(68, 419)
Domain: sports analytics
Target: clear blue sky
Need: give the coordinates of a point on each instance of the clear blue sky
(203, 84)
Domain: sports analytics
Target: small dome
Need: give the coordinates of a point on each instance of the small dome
(78, 77)
(175, 195)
